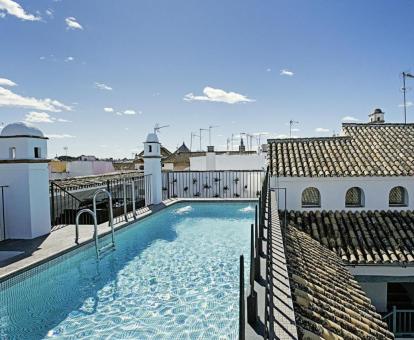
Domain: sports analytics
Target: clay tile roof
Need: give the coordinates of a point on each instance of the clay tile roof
(364, 237)
(363, 150)
(328, 301)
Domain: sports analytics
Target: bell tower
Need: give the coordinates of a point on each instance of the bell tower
(152, 166)
(377, 117)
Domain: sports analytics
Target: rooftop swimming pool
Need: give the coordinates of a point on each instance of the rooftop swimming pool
(173, 275)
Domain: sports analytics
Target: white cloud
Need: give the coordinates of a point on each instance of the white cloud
(42, 117)
(108, 109)
(295, 129)
(268, 70)
(7, 82)
(320, 129)
(73, 24)
(350, 119)
(69, 59)
(286, 73)
(38, 117)
(13, 8)
(218, 95)
(102, 86)
(130, 112)
(42, 58)
(119, 113)
(408, 104)
(59, 136)
(49, 12)
(11, 99)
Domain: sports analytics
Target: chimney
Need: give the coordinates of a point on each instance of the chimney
(377, 117)
(242, 148)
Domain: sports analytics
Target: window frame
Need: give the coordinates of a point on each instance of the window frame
(361, 203)
(318, 205)
(405, 197)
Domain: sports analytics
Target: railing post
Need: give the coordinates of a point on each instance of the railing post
(134, 213)
(252, 298)
(52, 204)
(394, 319)
(125, 202)
(241, 301)
(257, 248)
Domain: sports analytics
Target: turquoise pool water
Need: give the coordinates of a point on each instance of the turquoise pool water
(174, 275)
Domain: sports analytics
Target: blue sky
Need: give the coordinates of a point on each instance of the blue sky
(247, 66)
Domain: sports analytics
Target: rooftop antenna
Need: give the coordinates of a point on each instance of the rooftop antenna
(66, 152)
(232, 139)
(193, 134)
(200, 136)
(405, 75)
(291, 123)
(228, 143)
(209, 133)
(157, 127)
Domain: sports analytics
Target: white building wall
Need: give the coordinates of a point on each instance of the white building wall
(333, 190)
(24, 147)
(27, 205)
(88, 168)
(228, 162)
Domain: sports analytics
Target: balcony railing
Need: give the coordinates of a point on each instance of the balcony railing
(401, 322)
(212, 184)
(128, 192)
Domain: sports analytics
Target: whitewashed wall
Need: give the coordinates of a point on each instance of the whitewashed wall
(24, 147)
(228, 162)
(83, 168)
(27, 202)
(333, 190)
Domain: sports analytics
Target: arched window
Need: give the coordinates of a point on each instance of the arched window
(398, 197)
(354, 197)
(311, 198)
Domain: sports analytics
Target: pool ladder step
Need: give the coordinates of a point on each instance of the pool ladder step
(109, 246)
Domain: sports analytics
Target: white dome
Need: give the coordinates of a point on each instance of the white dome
(21, 129)
(152, 138)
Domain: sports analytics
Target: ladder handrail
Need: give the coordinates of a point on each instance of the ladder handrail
(95, 223)
(111, 215)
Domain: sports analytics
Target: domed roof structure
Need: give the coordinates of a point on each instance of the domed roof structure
(21, 129)
(152, 138)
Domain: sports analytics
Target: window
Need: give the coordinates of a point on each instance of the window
(398, 197)
(311, 198)
(149, 148)
(36, 152)
(354, 197)
(12, 153)
(141, 167)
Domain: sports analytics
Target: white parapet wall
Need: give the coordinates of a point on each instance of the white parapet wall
(27, 205)
(213, 161)
(333, 189)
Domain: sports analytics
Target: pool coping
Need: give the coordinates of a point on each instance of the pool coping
(15, 268)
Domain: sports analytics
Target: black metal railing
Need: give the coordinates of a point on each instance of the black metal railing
(2, 213)
(210, 184)
(400, 322)
(128, 193)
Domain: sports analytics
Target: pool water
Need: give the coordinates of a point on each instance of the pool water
(174, 275)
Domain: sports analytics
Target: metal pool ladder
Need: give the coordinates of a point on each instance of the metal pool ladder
(111, 245)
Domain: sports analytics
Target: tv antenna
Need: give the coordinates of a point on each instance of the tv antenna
(291, 123)
(200, 136)
(157, 127)
(209, 133)
(404, 88)
(193, 134)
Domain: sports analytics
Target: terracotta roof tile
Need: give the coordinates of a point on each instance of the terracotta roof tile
(363, 150)
(366, 237)
(328, 301)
